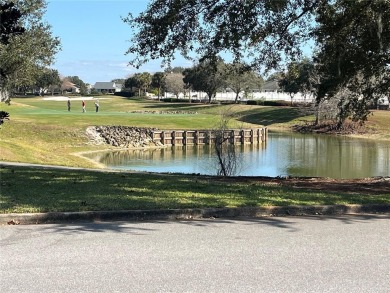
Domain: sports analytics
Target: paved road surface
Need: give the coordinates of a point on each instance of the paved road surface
(294, 254)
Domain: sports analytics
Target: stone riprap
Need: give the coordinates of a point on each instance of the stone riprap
(122, 136)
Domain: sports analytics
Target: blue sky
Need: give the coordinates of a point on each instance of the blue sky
(94, 38)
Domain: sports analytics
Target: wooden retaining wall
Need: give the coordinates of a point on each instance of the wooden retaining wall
(202, 137)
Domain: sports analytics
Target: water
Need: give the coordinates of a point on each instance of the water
(283, 154)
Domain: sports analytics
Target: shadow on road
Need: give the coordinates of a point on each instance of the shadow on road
(290, 224)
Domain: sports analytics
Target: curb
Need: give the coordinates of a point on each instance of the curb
(189, 214)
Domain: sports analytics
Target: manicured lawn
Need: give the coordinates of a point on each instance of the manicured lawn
(31, 190)
(43, 131)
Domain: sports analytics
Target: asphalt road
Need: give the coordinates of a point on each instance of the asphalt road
(292, 254)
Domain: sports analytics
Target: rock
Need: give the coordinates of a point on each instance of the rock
(122, 136)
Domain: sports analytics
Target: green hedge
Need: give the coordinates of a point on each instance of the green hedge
(175, 100)
(124, 94)
(269, 103)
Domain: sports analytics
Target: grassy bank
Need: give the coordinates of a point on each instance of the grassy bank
(44, 132)
(31, 190)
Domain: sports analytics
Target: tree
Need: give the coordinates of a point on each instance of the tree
(9, 24)
(118, 80)
(261, 30)
(66, 84)
(3, 116)
(240, 77)
(130, 82)
(298, 78)
(206, 76)
(174, 83)
(142, 81)
(227, 158)
(176, 69)
(352, 38)
(49, 79)
(354, 56)
(158, 81)
(27, 45)
(76, 81)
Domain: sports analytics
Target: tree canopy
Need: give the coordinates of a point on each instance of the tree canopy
(78, 82)
(174, 83)
(240, 77)
(158, 81)
(352, 38)
(206, 76)
(49, 79)
(26, 43)
(260, 30)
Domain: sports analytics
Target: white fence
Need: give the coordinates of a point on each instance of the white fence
(266, 96)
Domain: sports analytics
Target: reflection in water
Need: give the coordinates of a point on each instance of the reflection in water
(282, 155)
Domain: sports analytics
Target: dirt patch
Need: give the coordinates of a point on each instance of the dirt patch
(374, 185)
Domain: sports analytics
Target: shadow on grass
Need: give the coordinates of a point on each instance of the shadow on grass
(182, 106)
(267, 116)
(33, 189)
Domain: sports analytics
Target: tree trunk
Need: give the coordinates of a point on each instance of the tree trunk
(210, 96)
(236, 99)
(4, 96)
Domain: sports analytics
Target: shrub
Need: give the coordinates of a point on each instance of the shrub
(268, 103)
(124, 94)
(174, 100)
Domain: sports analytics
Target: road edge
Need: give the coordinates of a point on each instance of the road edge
(188, 214)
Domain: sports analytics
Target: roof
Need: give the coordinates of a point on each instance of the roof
(271, 85)
(104, 85)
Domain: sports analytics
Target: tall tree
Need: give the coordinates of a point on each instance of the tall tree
(174, 83)
(78, 82)
(240, 77)
(130, 83)
(354, 55)
(9, 24)
(143, 81)
(264, 31)
(66, 84)
(298, 78)
(118, 80)
(21, 58)
(49, 79)
(352, 38)
(206, 76)
(158, 81)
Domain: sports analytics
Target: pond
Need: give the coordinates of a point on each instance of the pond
(284, 154)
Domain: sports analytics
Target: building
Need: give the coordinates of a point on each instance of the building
(108, 87)
(271, 86)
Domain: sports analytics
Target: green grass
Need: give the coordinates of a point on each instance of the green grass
(42, 131)
(32, 190)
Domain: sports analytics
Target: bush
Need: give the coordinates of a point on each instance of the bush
(174, 100)
(124, 94)
(268, 103)
(3, 116)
